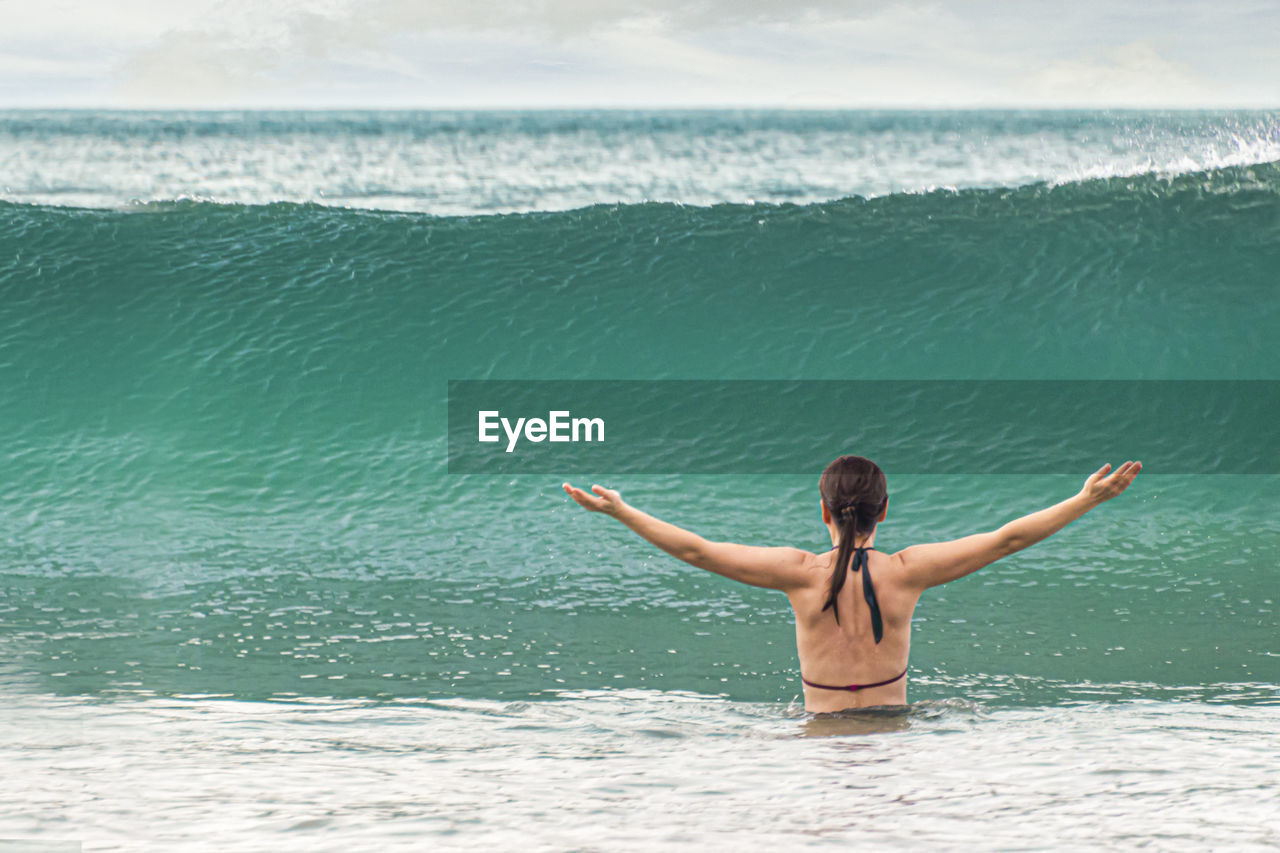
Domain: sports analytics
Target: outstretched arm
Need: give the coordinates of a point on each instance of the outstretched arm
(772, 568)
(931, 565)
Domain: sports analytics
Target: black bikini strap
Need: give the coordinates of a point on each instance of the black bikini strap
(853, 688)
(863, 564)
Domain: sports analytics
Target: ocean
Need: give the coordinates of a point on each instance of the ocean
(246, 602)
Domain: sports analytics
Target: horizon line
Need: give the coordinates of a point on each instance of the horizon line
(1013, 107)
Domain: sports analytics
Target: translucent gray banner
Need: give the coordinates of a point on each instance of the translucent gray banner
(907, 426)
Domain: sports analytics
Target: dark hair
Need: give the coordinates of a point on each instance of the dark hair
(855, 493)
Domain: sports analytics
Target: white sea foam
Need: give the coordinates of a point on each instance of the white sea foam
(631, 770)
(466, 163)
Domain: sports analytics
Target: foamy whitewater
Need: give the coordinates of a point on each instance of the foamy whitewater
(456, 163)
(244, 605)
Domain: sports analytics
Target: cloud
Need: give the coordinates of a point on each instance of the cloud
(1131, 74)
(572, 17)
(641, 52)
(646, 50)
(291, 31)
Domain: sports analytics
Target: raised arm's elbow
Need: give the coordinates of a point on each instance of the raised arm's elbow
(1010, 542)
(694, 553)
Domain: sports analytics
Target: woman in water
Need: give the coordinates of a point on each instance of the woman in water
(853, 639)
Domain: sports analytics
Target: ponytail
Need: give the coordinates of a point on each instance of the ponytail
(848, 534)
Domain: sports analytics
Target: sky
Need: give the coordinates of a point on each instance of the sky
(641, 53)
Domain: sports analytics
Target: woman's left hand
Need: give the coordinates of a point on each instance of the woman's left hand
(603, 500)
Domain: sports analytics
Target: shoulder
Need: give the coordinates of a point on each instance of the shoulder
(817, 561)
(815, 568)
(798, 558)
(899, 562)
(892, 571)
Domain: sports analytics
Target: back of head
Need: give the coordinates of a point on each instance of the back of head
(854, 487)
(855, 492)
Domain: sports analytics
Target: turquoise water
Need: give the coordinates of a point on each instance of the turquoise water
(231, 543)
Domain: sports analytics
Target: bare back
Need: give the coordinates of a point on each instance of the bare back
(846, 653)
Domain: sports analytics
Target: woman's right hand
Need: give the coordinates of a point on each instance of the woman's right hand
(599, 499)
(1103, 487)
